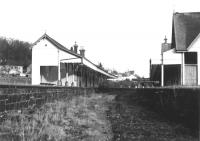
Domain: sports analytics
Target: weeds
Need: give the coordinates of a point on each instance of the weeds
(81, 118)
(85, 118)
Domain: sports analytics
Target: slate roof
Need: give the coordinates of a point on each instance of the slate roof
(185, 28)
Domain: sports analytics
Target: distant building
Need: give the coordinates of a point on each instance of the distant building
(11, 69)
(180, 59)
(122, 78)
(52, 63)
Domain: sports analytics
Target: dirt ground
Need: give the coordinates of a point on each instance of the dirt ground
(97, 117)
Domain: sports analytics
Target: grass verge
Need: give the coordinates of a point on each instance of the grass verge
(80, 118)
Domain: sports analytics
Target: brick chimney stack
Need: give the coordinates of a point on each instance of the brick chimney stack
(75, 48)
(71, 49)
(82, 52)
(165, 46)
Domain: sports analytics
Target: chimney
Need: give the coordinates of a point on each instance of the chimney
(165, 40)
(71, 49)
(82, 52)
(75, 48)
(165, 46)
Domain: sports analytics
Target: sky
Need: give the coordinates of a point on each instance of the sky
(121, 34)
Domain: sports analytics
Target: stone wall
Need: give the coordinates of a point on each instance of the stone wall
(17, 97)
(180, 104)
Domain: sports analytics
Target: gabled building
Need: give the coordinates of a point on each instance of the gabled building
(52, 63)
(180, 62)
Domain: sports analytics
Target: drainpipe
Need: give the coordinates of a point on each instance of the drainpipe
(162, 65)
(150, 69)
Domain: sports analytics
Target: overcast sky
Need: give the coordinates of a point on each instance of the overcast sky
(121, 34)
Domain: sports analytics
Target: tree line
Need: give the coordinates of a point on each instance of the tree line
(15, 52)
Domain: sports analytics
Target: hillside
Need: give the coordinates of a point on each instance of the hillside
(14, 52)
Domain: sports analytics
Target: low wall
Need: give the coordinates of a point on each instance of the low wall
(15, 80)
(177, 103)
(17, 97)
(180, 104)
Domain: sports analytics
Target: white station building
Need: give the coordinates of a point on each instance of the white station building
(54, 64)
(180, 58)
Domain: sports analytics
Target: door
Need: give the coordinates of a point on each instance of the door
(191, 74)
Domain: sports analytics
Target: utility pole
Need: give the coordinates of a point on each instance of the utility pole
(59, 81)
(150, 69)
(162, 64)
(162, 71)
(183, 68)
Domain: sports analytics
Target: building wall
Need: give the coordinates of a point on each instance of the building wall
(172, 74)
(42, 55)
(170, 57)
(195, 46)
(45, 59)
(45, 54)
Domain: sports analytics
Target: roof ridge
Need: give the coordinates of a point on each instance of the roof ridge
(186, 12)
(61, 47)
(57, 44)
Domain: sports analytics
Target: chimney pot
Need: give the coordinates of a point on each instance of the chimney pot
(75, 48)
(82, 52)
(71, 49)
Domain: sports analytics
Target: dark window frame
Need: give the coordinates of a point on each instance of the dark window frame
(191, 58)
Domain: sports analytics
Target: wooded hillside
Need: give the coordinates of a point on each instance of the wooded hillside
(14, 52)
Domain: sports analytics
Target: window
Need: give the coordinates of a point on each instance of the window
(190, 57)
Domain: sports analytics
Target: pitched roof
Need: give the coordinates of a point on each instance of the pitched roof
(61, 47)
(58, 45)
(185, 28)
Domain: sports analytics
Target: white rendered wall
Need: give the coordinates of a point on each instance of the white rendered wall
(195, 47)
(45, 54)
(170, 57)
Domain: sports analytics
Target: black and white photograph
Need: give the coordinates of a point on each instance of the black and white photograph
(100, 70)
